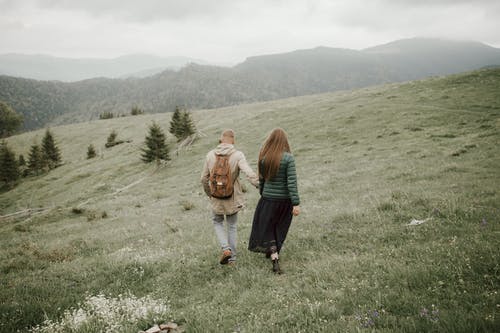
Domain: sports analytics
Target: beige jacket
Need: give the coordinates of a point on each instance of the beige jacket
(238, 162)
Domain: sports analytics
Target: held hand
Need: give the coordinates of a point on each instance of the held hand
(296, 210)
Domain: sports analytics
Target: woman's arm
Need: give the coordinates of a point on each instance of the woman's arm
(292, 181)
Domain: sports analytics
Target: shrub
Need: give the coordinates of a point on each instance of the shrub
(111, 141)
(112, 137)
(136, 111)
(91, 215)
(76, 210)
(91, 153)
(459, 152)
(386, 206)
(21, 228)
(106, 115)
(187, 205)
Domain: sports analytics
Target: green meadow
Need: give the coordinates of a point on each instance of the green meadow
(113, 244)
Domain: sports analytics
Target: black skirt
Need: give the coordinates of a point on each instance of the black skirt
(271, 222)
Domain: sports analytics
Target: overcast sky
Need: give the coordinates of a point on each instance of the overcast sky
(228, 31)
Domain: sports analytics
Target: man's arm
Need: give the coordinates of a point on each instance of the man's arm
(205, 175)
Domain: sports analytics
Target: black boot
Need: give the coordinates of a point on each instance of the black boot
(276, 266)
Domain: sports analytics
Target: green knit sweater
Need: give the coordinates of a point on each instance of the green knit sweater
(284, 184)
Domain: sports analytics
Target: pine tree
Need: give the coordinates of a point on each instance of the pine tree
(156, 148)
(187, 126)
(51, 156)
(111, 141)
(136, 111)
(91, 152)
(35, 162)
(176, 123)
(9, 169)
(23, 167)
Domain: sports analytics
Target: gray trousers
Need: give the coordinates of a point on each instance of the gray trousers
(227, 239)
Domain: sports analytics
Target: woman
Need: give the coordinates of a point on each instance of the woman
(279, 197)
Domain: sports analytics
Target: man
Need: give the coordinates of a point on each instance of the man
(227, 207)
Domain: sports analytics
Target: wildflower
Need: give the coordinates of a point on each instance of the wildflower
(369, 323)
(113, 314)
(368, 319)
(432, 315)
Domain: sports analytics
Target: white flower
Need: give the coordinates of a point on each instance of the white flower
(110, 313)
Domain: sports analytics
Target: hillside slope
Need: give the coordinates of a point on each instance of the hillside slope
(260, 78)
(368, 161)
(416, 58)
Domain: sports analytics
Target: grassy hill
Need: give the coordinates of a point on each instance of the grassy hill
(122, 235)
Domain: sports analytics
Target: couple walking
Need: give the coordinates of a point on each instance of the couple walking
(277, 184)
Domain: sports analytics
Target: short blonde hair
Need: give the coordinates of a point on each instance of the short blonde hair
(227, 133)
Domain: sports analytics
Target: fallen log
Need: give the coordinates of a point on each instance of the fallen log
(24, 212)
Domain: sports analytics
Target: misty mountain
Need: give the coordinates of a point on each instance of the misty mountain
(325, 69)
(258, 78)
(421, 57)
(43, 67)
(315, 70)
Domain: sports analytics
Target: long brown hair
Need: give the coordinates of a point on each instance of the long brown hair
(272, 151)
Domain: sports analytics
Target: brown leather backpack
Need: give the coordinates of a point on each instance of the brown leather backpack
(220, 181)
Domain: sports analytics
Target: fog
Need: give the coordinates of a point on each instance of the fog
(228, 31)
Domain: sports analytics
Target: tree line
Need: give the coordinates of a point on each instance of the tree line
(42, 158)
(46, 156)
(10, 121)
(135, 111)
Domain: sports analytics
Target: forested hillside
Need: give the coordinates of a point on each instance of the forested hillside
(257, 79)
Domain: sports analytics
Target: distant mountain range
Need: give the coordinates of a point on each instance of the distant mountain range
(44, 67)
(258, 78)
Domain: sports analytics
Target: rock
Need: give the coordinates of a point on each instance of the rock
(154, 329)
(417, 222)
(169, 326)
